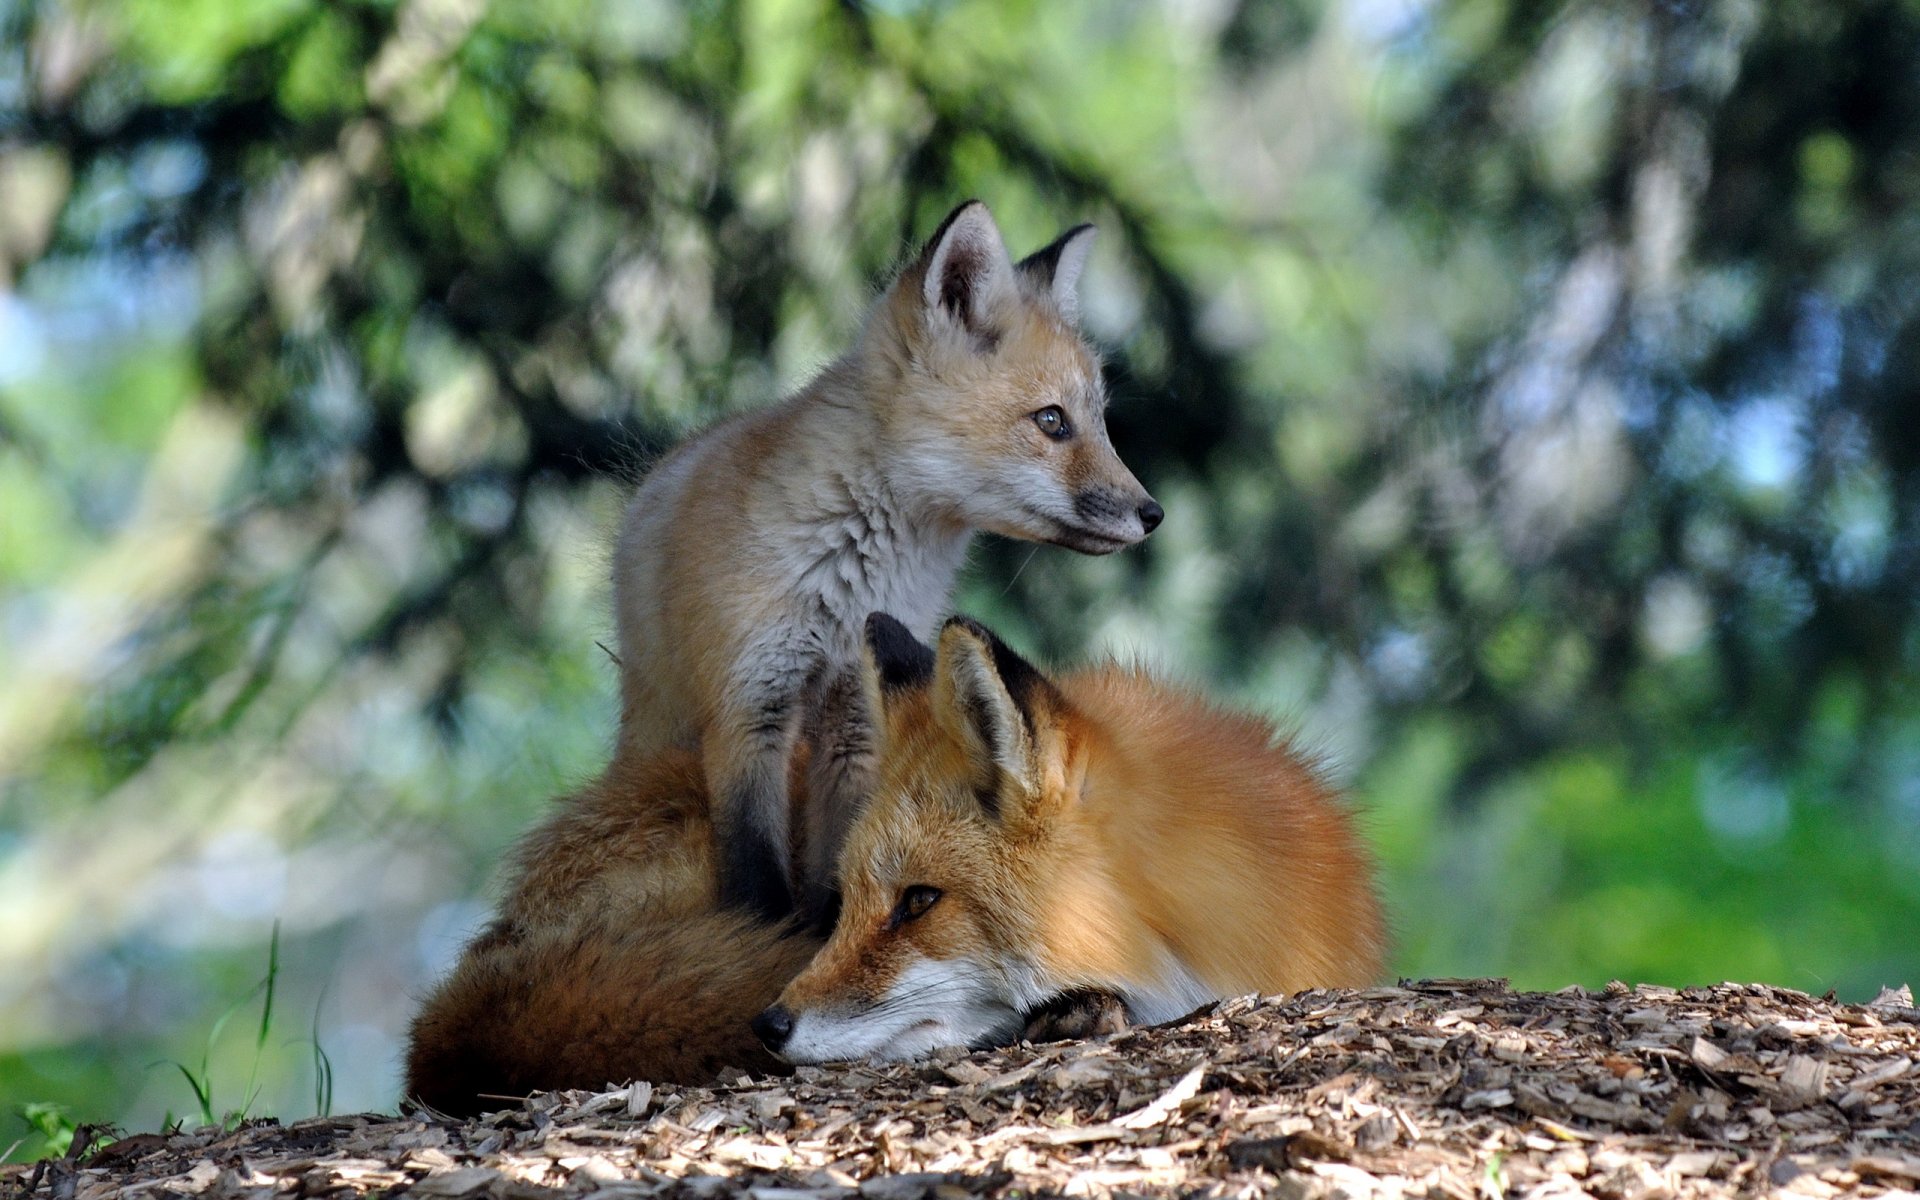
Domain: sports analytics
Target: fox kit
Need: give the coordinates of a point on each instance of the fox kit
(1030, 837)
(750, 556)
(610, 959)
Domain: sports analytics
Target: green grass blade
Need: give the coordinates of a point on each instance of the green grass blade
(202, 1083)
(322, 1065)
(213, 1035)
(266, 1023)
(202, 1092)
(322, 1081)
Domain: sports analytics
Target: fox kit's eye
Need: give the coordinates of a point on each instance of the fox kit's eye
(914, 902)
(1052, 421)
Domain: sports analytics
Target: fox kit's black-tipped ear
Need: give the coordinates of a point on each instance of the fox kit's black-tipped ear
(899, 659)
(1057, 266)
(990, 696)
(966, 267)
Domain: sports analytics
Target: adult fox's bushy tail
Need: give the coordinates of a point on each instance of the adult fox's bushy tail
(610, 960)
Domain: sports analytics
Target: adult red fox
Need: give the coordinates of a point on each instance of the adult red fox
(611, 958)
(750, 555)
(1030, 837)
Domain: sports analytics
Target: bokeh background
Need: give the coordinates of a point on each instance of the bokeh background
(1533, 388)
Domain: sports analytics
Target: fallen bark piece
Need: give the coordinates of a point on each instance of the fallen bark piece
(1900, 997)
(1291, 1152)
(1888, 1166)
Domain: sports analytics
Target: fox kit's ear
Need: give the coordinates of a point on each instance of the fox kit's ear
(1056, 267)
(966, 267)
(990, 696)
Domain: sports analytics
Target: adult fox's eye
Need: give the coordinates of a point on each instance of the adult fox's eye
(914, 903)
(1052, 421)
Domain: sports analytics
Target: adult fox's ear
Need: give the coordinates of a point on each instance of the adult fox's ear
(965, 269)
(993, 701)
(1057, 266)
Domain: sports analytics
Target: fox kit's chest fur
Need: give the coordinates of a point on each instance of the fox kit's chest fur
(752, 556)
(859, 550)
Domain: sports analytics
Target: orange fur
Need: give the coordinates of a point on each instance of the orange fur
(609, 960)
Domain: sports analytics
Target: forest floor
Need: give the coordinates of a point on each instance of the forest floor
(1460, 1089)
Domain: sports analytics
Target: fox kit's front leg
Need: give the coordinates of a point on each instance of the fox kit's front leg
(745, 753)
(839, 775)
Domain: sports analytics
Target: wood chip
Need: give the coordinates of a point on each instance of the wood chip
(1804, 1078)
(461, 1181)
(1887, 1072)
(1167, 1104)
(1707, 1055)
(638, 1097)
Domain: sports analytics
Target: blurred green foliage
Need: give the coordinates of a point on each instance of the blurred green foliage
(1531, 387)
(50, 1128)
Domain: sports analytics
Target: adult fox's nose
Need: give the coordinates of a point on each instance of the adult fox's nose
(773, 1027)
(1150, 515)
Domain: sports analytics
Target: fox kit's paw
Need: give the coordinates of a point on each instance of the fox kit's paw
(752, 879)
(820, 910)
(1081, 1014)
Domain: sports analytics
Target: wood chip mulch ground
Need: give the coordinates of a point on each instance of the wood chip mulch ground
(1456, 1089)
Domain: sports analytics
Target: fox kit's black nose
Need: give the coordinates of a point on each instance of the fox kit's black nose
(773, 1027)
(1150, 515)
